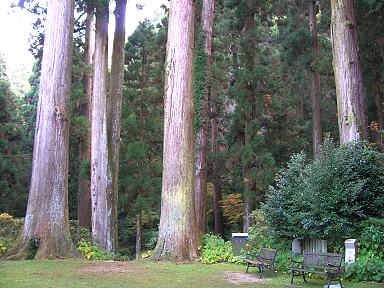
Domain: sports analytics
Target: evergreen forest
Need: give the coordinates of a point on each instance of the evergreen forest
(221, 116)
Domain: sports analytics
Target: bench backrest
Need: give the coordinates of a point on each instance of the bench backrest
(268, 255)
(321, 260)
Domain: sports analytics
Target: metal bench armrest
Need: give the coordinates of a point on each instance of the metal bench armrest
(295, 263)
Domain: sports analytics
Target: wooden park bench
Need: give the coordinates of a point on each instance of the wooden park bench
(265, 259)
(327, 264)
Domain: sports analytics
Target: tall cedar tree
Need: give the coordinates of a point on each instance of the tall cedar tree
(317, 132)
(178, 230)
(348, 73)
(114, 105)
(84, 185)
(202, 75)
(46, 218)
(101, 173)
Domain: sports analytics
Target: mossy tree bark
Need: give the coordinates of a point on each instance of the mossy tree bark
(115, 107)
(178, 230)
(317, 133)
(47, 211)
(101, 174)
(84, 187)
(348, 73)
(200, 182)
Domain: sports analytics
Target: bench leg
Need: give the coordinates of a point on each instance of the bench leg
(329, 280)
(246, 271)
(260, 270)
(305, 280)
(293, 275)
(341, 285)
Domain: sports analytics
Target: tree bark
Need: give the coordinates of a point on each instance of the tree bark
(216, 177)
(84, 187)
(348, 74)
(115, 108)
(101, 174)
(317, 133)
(178, 230)
(47, 211)
(200, 182)
(377, 135)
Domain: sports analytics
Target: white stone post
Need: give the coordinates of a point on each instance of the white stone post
(350, 251)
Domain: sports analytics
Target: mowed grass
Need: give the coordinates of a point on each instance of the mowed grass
(145, 274)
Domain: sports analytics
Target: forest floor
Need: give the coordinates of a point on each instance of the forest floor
(142, 274)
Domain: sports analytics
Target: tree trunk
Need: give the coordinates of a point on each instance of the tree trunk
(178, 230)
(249, 25)
(84, 187)
(216, 177)
(317, 133)
(115, 107)
(101, 174)
(377, 135)
(138, 236)
(348, 74)
(248, 199)
(47, 211)
(201, 136)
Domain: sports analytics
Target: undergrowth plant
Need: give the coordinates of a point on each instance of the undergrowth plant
(216, 250)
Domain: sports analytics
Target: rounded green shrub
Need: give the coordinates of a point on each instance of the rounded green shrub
(327, 198)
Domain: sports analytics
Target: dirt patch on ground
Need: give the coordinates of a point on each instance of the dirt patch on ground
(112, 267)
(39, 274)
(239, 278)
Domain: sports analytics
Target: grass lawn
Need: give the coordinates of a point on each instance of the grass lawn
(145, 274)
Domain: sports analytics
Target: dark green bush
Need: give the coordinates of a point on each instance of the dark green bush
(327, 198)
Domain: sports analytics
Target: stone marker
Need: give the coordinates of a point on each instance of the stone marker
(297, 247)
(350, 251)
(239, 240)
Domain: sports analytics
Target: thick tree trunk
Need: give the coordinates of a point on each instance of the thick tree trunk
(348, 74)
(115, 107)
(47, 211)
(138, 236)
(84, 187)
(201, 136)
(178, 230)
(317, 133)
(101, 174)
